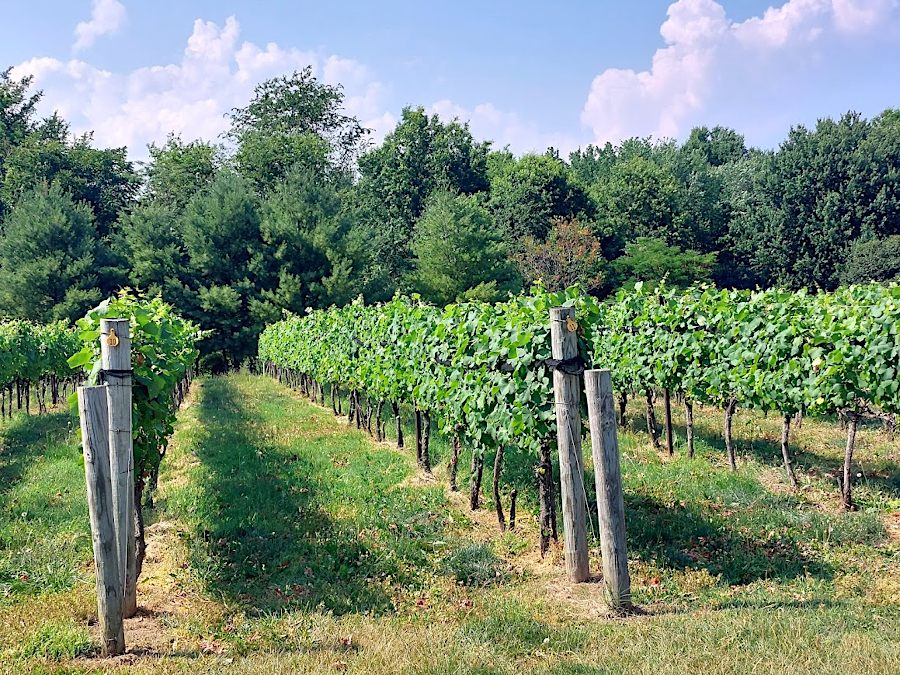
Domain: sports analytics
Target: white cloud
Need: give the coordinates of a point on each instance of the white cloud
(861, 15)
(795, 20)
(107, 16)
(706, 53)
(487, 122)
(215, 74)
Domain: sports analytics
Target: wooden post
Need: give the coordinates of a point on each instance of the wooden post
(689, 425)
(115, 360)
(418, 437)
(610, 502)
(396, 408)
(847, 484)
(567, 392)
(94, 412)
(670, 445)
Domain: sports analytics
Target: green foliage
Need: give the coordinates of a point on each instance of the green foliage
(652, 261)
(458, 254)
(420, 156)
(224, 255)
(476, 367)
(294, 121)
(479, 368)
(646, 188)
(873, 260)
(104, 180)
(17, 110)
(717, 146)
(265, 159)
(152, 241)
(314, 256)
(772, 350)
(29, 351)
(221, 232)
(592, 164)
(233, 263)
(642, 198)
(177, 170)
(797, 211)
(163, 351)
(528, 194)
(52, 263)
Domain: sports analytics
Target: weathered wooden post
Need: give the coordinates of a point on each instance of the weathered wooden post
(115, 364)
(94, 413)
(567, 392)
(610, 502)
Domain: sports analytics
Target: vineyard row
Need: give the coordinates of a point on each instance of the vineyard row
(483, 371)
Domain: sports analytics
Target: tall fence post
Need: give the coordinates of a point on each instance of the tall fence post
(567, 393)
(93, 410)
(115, 364)
(610, 502)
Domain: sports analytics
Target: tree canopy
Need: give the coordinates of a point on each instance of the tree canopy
(295, 209)
(458, 253)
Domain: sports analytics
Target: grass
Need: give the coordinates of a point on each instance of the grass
(57, 641)
(285, 542)
(321, 522)
(44, 532)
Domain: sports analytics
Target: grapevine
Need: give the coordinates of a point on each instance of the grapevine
(480, 369)
(163, 355)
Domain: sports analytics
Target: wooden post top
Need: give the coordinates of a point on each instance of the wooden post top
(115, 344)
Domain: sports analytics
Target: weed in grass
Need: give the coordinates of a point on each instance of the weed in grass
(40, 568)
(474, 565)
(512, 544)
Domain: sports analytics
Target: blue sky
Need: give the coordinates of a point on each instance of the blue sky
(528, 74)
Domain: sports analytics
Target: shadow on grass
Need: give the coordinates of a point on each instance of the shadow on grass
(518, 469)
(20, 436)
(44, 528)
(762, 538)
(725, 523)
(315, 524)
(882, 475)
(681, 537)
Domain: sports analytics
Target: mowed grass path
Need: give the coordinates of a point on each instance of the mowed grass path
(286, 542)
(286, 507)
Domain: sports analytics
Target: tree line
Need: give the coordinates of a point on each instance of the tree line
(294, 208)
